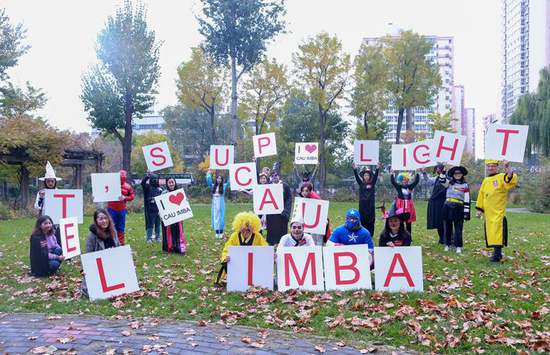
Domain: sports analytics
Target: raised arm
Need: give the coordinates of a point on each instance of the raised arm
(209, 179)
(313, 175)
(393, 182)
(415, 182)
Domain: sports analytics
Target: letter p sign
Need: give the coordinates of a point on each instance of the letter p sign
(264, 145)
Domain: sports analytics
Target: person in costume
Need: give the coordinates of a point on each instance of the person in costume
(404, 194)
(277, 224)
(305, 178)
(246, 226)
(262, 180)
(491, 200)
(352, 233)
(173, 237)
(307, 192)
(394, 233)
(296, 237)
(46, 255)
(367, 189)
(151, 189)
(50, 183)
(117, 209)
(102, 236)
(436, 201)
(218, 202)
(457, 206)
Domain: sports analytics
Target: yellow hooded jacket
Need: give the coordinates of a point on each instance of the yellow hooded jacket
(491, 200)
(255, 239)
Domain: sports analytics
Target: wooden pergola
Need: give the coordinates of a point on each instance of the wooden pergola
(74, 158)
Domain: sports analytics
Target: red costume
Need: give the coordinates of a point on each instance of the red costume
(118, 208)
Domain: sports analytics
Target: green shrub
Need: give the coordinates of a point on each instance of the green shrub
(537, 192)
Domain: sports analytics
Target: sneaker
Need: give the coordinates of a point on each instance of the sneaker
(157, 240)
(494, 259)
(459, 250)
(447, 248)
(149, 241)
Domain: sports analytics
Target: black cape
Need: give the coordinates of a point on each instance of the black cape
(277, 224)
(435, 206)
(366, 198)
(150, 209)
(39, 256)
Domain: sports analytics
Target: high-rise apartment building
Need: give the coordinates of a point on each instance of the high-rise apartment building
(469, 130)
(525, 49)
(442, 54)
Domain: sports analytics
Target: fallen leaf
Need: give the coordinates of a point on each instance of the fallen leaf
(66, 339)
(341, 344)
(246, 340)
(110, 351)
(126, 333)
(319, 349)
(202, 323)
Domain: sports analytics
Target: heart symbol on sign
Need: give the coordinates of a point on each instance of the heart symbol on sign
(176, 199)
(310, 148)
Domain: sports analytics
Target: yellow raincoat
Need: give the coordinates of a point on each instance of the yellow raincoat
(491, 200)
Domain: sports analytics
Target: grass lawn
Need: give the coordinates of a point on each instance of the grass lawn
(468, 304)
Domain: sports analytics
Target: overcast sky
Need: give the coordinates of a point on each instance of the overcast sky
(62, 34)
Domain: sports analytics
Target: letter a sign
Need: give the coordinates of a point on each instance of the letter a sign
(221, 156)
(268, 199)
(398, 269)
(157, 156)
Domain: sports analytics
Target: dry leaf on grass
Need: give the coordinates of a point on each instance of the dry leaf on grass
(319, 349)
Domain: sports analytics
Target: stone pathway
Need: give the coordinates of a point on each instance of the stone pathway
(76, 334)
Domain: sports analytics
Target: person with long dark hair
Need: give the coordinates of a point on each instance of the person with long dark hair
(173, 237)
(394, 233)
(456, 209)
(46, 255)
(218, 202)
(102, 236)
(366, 179)
(151, 189)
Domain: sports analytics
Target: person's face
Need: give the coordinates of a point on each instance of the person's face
(102, 220)
(50, 183)
(492, 168)
(297, 229)
(263, 179)
(266, 171)
(46, 226)
(171, 184)
(366, 178)
(305, 192)
(247, 231)
(458, 175)
(393, 222)
(352, 220)
(219, 179)
(403, 182)
(275, 177)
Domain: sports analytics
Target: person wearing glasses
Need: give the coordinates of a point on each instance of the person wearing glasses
(277, 224)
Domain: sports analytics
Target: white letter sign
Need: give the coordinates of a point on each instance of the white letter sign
(249, 266)
(314, 213)
(264, 145)
(400, 157)
(347, 267)
(419, 154)
(64, 203)
(243, 176)
(366, 152)
(106, 187)
(447, 147)
(70, 243)
(306, 153)
(505, 141)
(398, 269)
(221, 156)
(300, 268)
(157, 156)
(110, 272)
(173, 207)
(268, 199)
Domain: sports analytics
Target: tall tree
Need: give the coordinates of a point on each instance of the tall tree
(237, 32)
(322, 70)
(16, 101)
(369, 93)
(533, 109)
(11, 47)
(265, 92)
(201, 85)
(122, 85)
(414, 78)
(441, 122)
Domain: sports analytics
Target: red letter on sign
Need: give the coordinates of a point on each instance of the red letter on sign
(260, 145)
(415, 157)
(361, 158)
(310, 262)
(317, 216)
(441, 147)
(272, 201)
(404, 156)
(506, 134)
(405, 273)
(158, 156)
(226, 157)
(67, 237)
(103, 280)
(250, 268)
(237, 176)
(338, 267)
(64, 203)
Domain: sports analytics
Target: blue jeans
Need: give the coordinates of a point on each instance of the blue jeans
(54, 265)
(156, 223)
(119, 219)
